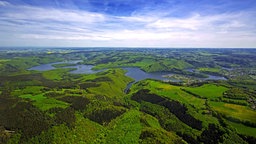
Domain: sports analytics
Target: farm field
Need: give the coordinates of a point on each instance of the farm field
(242, 113)
(208, 91)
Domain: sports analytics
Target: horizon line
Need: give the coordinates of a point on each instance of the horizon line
(132, 47)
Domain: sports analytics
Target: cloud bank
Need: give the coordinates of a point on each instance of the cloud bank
(156, 25)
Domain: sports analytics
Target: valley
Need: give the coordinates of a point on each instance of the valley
(125, 95)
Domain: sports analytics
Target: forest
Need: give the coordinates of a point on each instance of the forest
(78, 95)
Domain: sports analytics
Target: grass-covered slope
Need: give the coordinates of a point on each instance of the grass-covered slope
(147, 63)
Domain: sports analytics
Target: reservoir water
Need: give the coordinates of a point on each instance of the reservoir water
(83, 69)
(45, 67)
(134, 72)
(137, 74)
(80, 68)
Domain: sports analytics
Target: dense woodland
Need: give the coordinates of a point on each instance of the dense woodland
(56, 106)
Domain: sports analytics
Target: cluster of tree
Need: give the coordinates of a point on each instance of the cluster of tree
(24, 62)
(134, 60)
(26, 118)
(53, 94)
(176, 83)
(144, 95)
(9, 68)
(149, 135)
(200, 63)
(249, 139)
(233, 60)
(198, 84)
(101, 79)
(245, 122)
(88, 85)
(212, 135)
(106, 60)
(66, 116)
(78, 103)
(187, 73)
(188, 138)
(179, 110)
(20, 81)
(105, 115)
(191, 93)
(235, 93)
(213, 131)
(166, 119)
(36, 79)
(235, 102)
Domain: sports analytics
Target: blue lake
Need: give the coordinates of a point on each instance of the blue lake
(82, 69)
(134, 72)
(137, 74)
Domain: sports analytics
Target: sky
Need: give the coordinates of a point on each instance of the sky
(128, 23)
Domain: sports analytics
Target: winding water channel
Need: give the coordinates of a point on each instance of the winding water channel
(134, 72)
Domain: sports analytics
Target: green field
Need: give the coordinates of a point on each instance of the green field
(215, 70)
(242, 129)
(56, 74)
(148, 63)
(209, 91)
(3, 61)
(43, 102)
(33, 90)
(242, 113)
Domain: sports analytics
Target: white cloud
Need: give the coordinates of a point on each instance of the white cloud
(34, 24)
(202, 23)
(4, 3)
(191, 23)
(61, 15)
